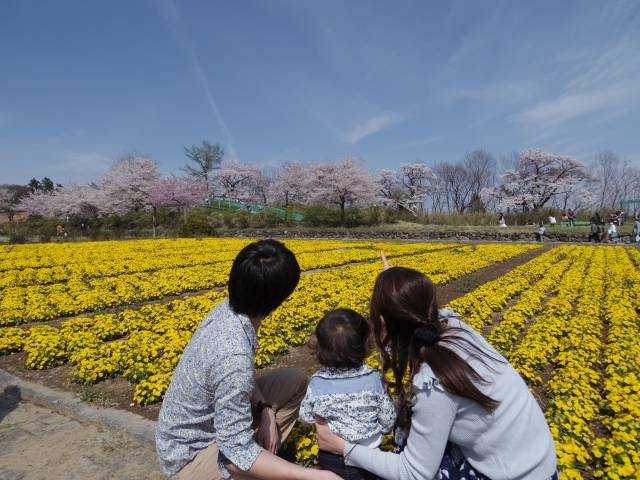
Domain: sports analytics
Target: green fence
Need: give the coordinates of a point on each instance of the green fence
(226, 203)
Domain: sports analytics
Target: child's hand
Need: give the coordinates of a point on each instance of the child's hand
(385, 262)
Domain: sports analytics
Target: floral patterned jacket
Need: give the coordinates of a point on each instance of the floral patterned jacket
(354, 402)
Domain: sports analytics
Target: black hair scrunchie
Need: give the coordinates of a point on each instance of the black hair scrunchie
(426, 335)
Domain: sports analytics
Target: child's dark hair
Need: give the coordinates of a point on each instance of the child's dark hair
(342, 339)
(262, 276)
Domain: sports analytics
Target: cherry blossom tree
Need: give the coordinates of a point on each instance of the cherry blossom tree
(127, 185)
(174, 191)
(10, 197)
(237, 180)
(37, 203)
(261, 187)
(341, 183)
(289, 185)
(82, 200)
(408, 187)
(537, 178)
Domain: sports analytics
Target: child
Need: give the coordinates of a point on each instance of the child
(540, 234)
(346, 393)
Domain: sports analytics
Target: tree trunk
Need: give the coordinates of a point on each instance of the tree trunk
(153, 220)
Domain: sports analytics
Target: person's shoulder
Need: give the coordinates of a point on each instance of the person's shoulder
(337, 380)
(221, 332)
(425, 380)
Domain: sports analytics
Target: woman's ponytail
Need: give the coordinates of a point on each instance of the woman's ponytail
(409, 332)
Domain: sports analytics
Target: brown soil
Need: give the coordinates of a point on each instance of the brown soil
(118, 392)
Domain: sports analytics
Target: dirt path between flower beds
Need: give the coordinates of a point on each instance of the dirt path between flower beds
(303, 357)
(38, 444)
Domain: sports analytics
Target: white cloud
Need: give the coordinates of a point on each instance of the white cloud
(603, 86)
(498, 92)
(417, 143)
(567, 107)
(370, 126)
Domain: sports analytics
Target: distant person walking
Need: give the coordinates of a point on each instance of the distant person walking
(60, 231)
(540, 233)
(572, 218)
(612, 232)
(635, 234)
(594, 236)
(501, 221)
(552, 220)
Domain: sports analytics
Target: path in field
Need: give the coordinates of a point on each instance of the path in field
(304, 357)
(39, 444)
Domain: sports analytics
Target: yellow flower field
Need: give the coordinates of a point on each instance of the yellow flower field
(568, 320)
(112, 274)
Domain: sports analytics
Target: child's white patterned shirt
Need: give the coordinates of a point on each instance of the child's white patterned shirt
(354, 402)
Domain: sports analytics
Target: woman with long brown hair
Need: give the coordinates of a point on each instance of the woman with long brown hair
(465, 409)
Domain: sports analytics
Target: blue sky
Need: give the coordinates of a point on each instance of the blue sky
(83, 82)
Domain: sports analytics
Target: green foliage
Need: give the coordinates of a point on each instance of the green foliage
(206, 158)
(353, 217)
(198, 223)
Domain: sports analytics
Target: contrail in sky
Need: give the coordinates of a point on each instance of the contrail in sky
(172, 16)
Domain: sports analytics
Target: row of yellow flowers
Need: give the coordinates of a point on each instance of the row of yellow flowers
(89, 293)
(531, 302)
(618, 454)
(48, 255)
(131, 258)
(573, 389)
(351, 287)
(144, 344)
(581, 277)
(541, 341)
(479, 306)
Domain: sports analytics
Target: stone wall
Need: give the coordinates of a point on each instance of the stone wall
(337, 234)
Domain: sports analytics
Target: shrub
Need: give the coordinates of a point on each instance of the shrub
(322, 217)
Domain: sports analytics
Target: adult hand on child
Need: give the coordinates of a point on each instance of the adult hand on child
(268, 436)
(327, 440)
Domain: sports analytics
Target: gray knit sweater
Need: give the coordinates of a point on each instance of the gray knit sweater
(514, 442)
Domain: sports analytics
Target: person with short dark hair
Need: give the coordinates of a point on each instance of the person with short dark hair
(345, 392)
(205, 430)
